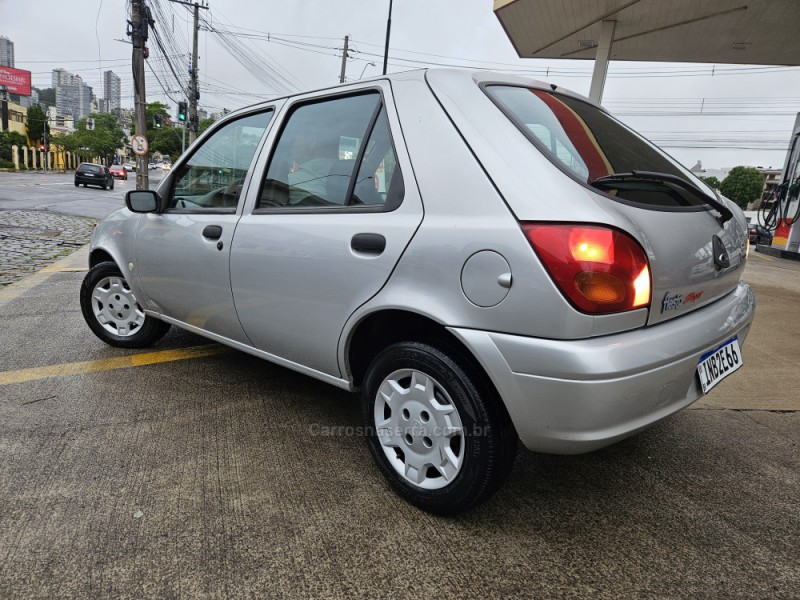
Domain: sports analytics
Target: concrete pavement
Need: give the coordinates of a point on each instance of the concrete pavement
(206, 477)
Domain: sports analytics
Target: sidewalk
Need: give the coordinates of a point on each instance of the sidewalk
(32, 239)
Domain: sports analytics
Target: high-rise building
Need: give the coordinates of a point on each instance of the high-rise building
(75, 100)
(6, 52)
(62, 77)
(112, 92)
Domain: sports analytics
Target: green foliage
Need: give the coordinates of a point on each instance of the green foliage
(165, 139)
(36, 120)
(711, 181)
(8, 139)
(204, 124)
(742, 185)
(103, 141)
(47, 96)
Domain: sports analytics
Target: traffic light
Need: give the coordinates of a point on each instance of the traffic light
(182, 110)
(158, 121)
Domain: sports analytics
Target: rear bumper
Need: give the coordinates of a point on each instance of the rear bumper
(574, 396)
(91, 180)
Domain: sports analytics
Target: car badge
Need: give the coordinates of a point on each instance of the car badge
(721, 258)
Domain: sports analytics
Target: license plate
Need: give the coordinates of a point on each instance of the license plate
(89, 174)
(716, 365)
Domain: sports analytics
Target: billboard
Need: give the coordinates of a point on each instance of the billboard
(16, 81)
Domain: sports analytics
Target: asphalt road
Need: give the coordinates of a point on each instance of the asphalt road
(56, 192)
(190, 471)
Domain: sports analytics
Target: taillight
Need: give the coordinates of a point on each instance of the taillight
(599, 269)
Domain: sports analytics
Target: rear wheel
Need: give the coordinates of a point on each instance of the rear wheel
(77, 184)
(112, 184)
(438, 433)
(113, 312)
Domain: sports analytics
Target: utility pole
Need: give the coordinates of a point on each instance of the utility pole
(344, 59)
(139, 32)
(3, 108)
(194, 91)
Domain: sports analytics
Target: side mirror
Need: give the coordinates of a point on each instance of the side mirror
(142, 201)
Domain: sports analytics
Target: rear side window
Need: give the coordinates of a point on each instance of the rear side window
(589, 144)
(334, 153)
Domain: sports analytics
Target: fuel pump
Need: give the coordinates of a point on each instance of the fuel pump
(782, 215)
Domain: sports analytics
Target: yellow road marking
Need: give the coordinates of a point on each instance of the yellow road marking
(109, 364)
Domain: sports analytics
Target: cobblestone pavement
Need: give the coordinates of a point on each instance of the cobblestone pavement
(32, 239)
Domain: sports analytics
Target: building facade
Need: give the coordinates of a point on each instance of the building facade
(73, 97)
(112, 92)
(6, 52)
(74, 100)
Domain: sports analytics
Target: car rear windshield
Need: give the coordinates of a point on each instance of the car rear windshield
(596, 149)
(90, 168)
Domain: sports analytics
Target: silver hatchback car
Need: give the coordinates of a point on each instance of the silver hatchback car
(486, 258)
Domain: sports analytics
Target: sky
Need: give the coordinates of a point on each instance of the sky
(722, 115)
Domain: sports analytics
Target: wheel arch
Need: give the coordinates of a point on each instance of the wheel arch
(99, 255)
(385, 327)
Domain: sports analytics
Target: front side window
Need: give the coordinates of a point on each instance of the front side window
(212, 178)
(334, 153)
(596, 149)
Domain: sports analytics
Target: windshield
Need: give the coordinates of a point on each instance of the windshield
(589, 144)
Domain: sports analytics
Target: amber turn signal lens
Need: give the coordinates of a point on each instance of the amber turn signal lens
(600, 287)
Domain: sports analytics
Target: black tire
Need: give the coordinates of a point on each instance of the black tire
(104, 186)
(487, 442)
(112, 184)
(77, 184)
(84, 185)
(146, 333)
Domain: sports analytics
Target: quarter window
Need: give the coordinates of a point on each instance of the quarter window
(334, 153)
(211, 180)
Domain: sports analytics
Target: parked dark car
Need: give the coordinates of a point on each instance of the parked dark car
(759, 234)
(118, 171)
(92, 174)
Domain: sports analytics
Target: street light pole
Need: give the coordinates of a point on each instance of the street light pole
(388, 33)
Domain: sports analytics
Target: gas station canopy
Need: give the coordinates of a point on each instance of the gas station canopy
(755, 32)
(761, 32)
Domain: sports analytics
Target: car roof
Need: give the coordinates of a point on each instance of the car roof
(439, 75)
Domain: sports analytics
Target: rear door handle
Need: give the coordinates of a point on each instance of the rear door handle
(368, 243)
(212, 232)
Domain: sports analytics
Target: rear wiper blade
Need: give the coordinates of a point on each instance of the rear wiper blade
(716, 203)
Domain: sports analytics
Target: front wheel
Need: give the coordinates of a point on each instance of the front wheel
(112, 311)
(438, 433)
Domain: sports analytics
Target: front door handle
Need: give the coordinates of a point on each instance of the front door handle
(212, 232)
(368, 243)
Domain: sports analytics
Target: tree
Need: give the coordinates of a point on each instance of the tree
(36, 121)
(742, 185)
(8, 139)
(711, 181)
(165, 139)
(204, 124)
(103, 141)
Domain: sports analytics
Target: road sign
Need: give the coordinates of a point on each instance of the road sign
(139, 145)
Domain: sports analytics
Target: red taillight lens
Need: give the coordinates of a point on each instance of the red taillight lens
(599, 269)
